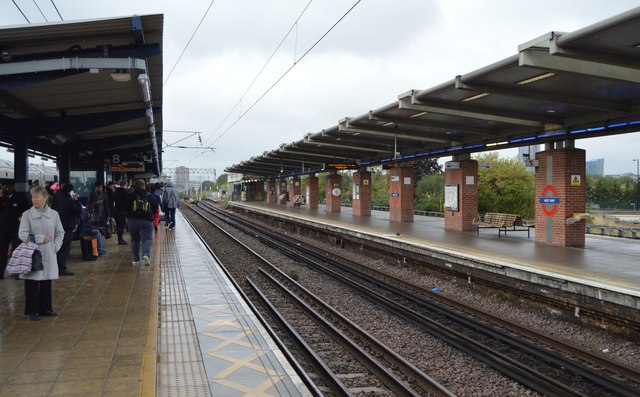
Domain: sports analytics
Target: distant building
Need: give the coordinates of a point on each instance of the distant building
(595, 167)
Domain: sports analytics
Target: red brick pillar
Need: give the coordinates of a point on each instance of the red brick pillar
(461, 195)
(295, 190)
(361, 200)
(334, 193)
(259, 191)
(312, 193)
(401, 194)
(272, 195)
(282, 191)
(560, 193)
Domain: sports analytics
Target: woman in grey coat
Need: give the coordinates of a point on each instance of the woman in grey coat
(43, 222)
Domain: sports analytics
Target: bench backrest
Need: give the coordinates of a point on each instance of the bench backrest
(500, 219)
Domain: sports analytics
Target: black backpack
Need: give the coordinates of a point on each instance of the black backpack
(141, 208)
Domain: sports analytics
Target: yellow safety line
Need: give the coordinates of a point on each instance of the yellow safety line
(149, 357)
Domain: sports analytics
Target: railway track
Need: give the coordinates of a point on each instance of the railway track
(343, 358)
(545, 365)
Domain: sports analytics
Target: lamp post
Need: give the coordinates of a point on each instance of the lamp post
(637, 184)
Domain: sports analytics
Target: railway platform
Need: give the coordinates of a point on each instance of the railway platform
(175, 328)
(607, 269)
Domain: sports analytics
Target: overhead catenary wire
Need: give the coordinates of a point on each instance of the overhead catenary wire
(239, 101)
(281, 77)
(54, 6)
(19, 9)
(189, 42)
(41, 13)
(287, 71)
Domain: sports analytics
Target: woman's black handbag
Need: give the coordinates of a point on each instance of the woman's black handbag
(36, 258)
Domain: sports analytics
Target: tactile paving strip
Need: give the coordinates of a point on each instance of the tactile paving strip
(180, 368)
(208, 334)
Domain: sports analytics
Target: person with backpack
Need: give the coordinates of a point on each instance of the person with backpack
(142, 207)
(169, 204)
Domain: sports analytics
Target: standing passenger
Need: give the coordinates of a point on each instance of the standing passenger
(142, 207)
(169, 204)
(69, 209)
(120, 201)
(100, 202)
(44, 223)
(156, 219)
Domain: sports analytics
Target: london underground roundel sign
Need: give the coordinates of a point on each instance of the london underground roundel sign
(549, 200)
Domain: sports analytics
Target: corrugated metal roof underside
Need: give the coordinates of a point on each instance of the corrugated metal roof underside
(560, 86)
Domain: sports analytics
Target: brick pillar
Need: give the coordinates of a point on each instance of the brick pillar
(461, 177)
(312, 193)
(361, 200)
(401, 194)
(334, 201)
(560, 192)
(272, 195)
(259, 191)
(295, 190)
(282, 191)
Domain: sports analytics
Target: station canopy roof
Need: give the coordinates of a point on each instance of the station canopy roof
(560, 86)
(91, 88)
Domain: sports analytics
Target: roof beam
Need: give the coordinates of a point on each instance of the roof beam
(547, 97)
(138, 31)
(276, 162)
(345, 125)
(288, 160)
(309, 141)
(286, 152)
(19, 106)
(599, 57)
(48, 65)
(409, 101)
(541, 59)
(421, 122)
(85, 122)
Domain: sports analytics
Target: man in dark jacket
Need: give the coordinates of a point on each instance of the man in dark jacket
(69, 209)
(142, 207)
(120, 209)
(12, 205)
(101, 205)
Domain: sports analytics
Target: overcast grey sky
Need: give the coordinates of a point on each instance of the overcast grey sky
(381, 49)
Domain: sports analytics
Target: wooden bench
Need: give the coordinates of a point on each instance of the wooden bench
(503, 222)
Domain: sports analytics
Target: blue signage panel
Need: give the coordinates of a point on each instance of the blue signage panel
(549, 200)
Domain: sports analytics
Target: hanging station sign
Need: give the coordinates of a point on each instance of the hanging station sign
(127, 166)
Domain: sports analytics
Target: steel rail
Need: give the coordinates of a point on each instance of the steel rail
(422, 380)
(386, 376)
(322, 370)
(404, 285)
(604, 381)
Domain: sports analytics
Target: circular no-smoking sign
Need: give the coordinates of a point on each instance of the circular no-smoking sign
(549, 200)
